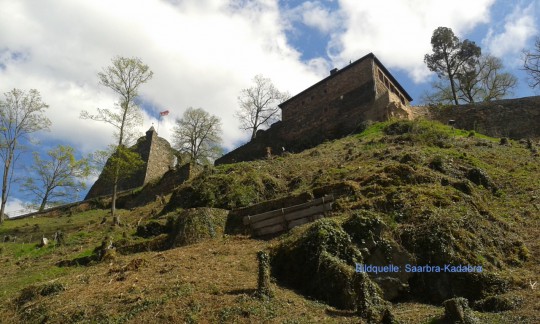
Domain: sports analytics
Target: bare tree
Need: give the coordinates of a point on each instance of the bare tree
(485, 81)
(259, 105)
(531, 64)
(198, 134)
(20, 115)
(124, 77)
(57, 178)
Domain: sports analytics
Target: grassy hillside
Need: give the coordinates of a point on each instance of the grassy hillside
(407, 193)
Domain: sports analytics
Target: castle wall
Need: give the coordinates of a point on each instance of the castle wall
(159, 160)
(330, 107)
(512, 118)
(158, 156)
(257, 147)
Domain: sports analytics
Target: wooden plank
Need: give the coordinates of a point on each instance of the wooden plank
(268, 222)
(292, 216)
(270, 214)
(270, 229)
(301, 221)
(309, 211)
(260, 217)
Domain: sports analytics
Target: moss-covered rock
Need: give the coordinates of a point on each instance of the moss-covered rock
(456, 310)
(194, 225)
(319, 261)
(496, 304)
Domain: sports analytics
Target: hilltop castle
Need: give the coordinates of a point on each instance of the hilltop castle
(333, 107)
(158, 157)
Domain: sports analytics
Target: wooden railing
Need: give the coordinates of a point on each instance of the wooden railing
(283, 219)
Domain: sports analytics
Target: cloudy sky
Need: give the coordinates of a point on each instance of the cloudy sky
(203, 52)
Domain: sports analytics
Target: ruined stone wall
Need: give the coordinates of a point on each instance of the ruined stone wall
(158, 156)
(256, 148)
(166, 184)
(512, 118)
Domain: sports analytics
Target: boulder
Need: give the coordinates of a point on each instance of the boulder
(456, 310)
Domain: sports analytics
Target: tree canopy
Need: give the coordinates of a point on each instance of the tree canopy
(198, 134)
(531, 64)
(259, 105)
(484, 81)
(21, 114)
(450, 56)
(55, 179)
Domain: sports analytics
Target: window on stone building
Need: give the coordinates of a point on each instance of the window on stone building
(402, 99)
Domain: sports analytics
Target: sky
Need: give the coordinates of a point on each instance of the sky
(204, 52)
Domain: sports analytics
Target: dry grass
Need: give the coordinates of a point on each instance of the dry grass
(214, 281)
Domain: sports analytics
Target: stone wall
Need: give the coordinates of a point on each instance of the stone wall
(256, 148)
(512, 118)
(158, 156)
(166, 184)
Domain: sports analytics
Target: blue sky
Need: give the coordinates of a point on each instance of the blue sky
(203, 52)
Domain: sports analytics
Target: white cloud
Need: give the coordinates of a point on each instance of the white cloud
(519, 27)
(399, 32)
(202, 54)
(315, 15)
(16, 207)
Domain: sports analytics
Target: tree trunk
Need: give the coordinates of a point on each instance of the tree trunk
(43, 203)
(254, 133)
(116, 218)
(255, 126)
(452, 86)
(5, 187)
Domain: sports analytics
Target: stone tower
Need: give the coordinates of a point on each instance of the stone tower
(158, 157)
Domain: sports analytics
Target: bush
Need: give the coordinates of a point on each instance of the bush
(320, 262)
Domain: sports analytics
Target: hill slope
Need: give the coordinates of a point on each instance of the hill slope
(415, 193)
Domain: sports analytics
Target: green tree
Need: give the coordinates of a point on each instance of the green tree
(198, 134)
(259, 105)
(484, 81)
(21, 114)
(56, 179)
(450, 56)
(531, 64)
(124, 77)
(117, 160)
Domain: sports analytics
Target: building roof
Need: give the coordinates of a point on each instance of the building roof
(370, 55)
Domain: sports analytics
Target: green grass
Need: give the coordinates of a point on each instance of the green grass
(30, 276)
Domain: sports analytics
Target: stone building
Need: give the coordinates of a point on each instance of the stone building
(334, 107)
(158, 156)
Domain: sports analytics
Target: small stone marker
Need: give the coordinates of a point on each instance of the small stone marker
(44, 241)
